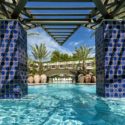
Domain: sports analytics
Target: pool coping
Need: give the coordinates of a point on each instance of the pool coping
(35, 84)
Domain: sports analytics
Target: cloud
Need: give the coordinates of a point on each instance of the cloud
(37, 36)
(76, 43)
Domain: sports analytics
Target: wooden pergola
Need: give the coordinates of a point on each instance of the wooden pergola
(61, 20)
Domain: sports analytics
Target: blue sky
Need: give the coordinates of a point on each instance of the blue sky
(80, 37)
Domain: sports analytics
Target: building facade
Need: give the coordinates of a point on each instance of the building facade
(71, 65)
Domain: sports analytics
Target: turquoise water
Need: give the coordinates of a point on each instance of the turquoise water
(64, 104)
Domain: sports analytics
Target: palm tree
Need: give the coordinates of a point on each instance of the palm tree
(56, 56)
(39, 53)
(32, 68)
(82, 54)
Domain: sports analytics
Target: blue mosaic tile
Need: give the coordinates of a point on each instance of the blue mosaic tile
(110, 49)
(13, 59)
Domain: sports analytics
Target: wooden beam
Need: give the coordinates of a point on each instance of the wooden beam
(48, 33)
(64, 34)
(3, 8)
(59, 8)
(120, 4)
(57, 31)
(120, 13)
(59, 14)
(24, 12)
(60, 36)
(60, 40)
(106, 2)
(60, 25)
(49, 19)
(96, 12)
(14, 2)
(101, 8)
(8, 4)
(58, 21)
(60, 28)
(65, 26)
(19, 7)
(60, 0)
(61, 43)
(72, 33)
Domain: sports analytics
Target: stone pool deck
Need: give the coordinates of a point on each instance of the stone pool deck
(34, 84)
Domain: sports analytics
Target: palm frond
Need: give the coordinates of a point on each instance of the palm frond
(39, 53)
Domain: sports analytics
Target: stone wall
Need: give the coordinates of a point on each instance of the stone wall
(13, 59)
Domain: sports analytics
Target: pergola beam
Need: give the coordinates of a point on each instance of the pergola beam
(118, 7)
(5, 11)
(49, 19)
(18, 9)
(56, 31)
(59, 28)
(59, 36)
(59, 8)
(60, 39)
(51, 34)
(60, 25)
(60, 33)
(101, 8)
(57, 21)
(60, 0)
(59, 14)
(72, 33)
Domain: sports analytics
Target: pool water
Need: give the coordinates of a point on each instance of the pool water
(62, 104)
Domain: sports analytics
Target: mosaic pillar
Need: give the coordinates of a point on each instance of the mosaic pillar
(110, 56)
(13, 59)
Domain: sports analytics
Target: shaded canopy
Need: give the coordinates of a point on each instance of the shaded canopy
(61, 18)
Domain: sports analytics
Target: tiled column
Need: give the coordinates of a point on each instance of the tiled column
(13, 59)
(110, 58)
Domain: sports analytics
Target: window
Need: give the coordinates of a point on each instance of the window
(61, 66)
(53, 66)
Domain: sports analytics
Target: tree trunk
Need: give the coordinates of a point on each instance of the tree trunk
(83, 68)
(40, 67)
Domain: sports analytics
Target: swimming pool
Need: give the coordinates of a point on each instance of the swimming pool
(62, 104)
